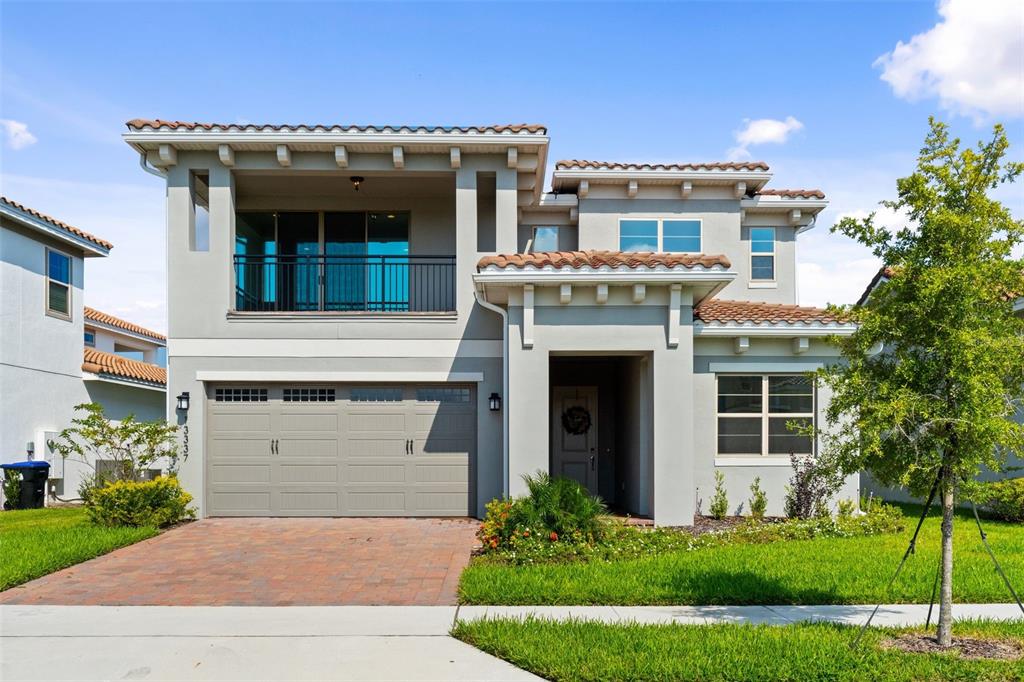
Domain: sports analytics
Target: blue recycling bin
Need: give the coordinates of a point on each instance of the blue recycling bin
(33, 483)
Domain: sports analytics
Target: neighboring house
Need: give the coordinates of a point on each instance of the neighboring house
(1014, 467)
(399, 321)
(56, 352)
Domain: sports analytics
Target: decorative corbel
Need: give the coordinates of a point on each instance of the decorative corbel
(455, 154)
(801, 344)
(513, 157)
(564, 293)
(639, 293)
(167, 154)
(742, 344)
(226, 154)
(398, 157)
(741, 189)
(686, 189)
(632, 189)
(794, 216)
(284, 155)
(341, 156)
(602, 293)
(583, 189)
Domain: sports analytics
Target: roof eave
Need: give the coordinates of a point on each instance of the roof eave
(123, 381)
(89, 248)
(776, 329)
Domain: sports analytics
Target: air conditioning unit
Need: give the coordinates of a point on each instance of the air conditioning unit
(54, 458)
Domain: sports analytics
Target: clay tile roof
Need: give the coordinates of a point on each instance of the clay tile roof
(139, 124)
(111, 321)
(98, 362)
(57, 223)
(793, 193)
(717, 310)
(596, 259)
(581, 164)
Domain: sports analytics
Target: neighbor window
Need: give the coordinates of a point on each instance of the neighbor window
(669, 236)
(58, 283)
(545, 239)
(762, 253)
(90, 338)
(755, 413)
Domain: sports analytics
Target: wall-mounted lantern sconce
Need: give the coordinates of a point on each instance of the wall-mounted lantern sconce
(356, 180)
(183, 401)
(494, 402)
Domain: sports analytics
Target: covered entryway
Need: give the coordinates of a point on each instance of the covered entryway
(340, 450)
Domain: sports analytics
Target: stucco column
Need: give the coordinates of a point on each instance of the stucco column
(674, 491)
(528, 403)
(465, 239)
(222, 231)
(506, 210)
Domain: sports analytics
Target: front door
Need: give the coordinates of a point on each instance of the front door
(574, 434)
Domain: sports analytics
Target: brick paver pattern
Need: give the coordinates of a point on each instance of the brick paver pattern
(271, 562)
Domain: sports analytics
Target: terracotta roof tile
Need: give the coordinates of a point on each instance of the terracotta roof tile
(98, 362)
(718, 310)
(57, 223)
(139, 124)
(582, 164)
(111, 321)
(596, 259)
(793, 193)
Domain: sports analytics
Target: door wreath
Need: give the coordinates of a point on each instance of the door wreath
(576, 420)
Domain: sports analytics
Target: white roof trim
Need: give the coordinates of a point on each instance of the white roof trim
(550, 275)
(659, 174)
(778, 329)
(124, 381)
(32, 222)
(331, 138)
(777, 203)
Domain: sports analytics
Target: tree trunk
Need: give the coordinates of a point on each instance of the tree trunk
(945, 634)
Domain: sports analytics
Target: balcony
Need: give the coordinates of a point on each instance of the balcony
(344, 284)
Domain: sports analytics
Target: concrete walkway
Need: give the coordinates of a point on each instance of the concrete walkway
(333, 642)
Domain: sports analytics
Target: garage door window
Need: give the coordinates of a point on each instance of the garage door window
(376, 395)
(442, 395)
(240, 395)
(309, 395)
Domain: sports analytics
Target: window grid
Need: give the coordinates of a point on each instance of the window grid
(430, 394)
(240, 395)
(762, 254)
(58, 283)
(90, 339)
(375, 395)
(663, 235)
(309, 395)
(768, 412)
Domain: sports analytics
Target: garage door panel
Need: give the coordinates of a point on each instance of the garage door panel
(341, 450)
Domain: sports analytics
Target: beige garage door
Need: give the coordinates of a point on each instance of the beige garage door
(340, 450)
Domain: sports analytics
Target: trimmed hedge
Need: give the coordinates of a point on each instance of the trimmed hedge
(156, 503)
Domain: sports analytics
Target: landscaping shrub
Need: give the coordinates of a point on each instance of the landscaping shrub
(758, 500)
(1005, 499)
(157, 503)
(720, 501)
(814, 483)
(556, 510)
(845, 508)
(12, 488)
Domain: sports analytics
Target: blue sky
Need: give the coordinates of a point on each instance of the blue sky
(636, 82)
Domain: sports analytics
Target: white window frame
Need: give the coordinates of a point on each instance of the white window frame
(86, 338)
(533, 236)
(775, 260)
(70, 284)
(764, 416)
(661, 231)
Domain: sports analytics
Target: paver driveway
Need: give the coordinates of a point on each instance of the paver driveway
(271, 562)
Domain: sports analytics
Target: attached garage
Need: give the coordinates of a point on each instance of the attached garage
(340, 450)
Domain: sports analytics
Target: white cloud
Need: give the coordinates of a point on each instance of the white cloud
(971, 60)
(17, 134)
(762, 131)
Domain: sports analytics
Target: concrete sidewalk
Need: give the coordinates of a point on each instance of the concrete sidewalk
(239, 643)
(334, 642)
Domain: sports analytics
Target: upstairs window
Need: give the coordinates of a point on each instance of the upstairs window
(762, 254)
(662, 236)
(545, 239)
(58, 283)
(90, 338)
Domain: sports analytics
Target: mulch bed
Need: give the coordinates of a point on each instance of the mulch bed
(968, 647)
(708, 524)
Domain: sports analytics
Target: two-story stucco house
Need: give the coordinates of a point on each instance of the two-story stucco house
(401, 321)
(56, 352)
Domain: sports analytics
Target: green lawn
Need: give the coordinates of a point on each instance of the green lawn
(594, 651)
(820, 571)
(35, 542)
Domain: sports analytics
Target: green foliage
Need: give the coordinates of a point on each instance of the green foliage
(758, 499)
(814, 482)
(131, 447)
(719, 506)
(556, 510)
(580, 650)
(156, 503)
(1005, 499)
(942, 395)
(40, 541)
(12, 487)
(845, 508)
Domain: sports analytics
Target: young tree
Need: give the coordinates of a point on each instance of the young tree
(131, 446)
(936, 404)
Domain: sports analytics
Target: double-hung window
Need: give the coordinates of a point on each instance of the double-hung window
(58, 283)
(755, 413)
(762, 254)
(670, 236)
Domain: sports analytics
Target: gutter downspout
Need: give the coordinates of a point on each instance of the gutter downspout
(504, 382)
(149, 169)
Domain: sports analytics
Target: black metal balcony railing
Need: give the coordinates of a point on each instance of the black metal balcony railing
(344, 283)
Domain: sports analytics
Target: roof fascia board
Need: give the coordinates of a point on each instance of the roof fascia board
(30, 221)
(332, 138)
(782, 204)
(772, 330)
(122, 381)
(89, 322)
(554, 276)
(619, 174)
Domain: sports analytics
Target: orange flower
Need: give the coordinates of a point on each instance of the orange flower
(526, 533)
(553, 537)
